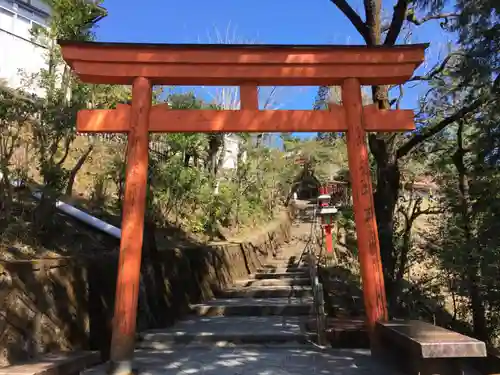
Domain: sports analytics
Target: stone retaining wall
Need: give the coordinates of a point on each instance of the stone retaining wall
(67, 303)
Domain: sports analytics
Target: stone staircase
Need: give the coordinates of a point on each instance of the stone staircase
(269, 308)
(255, 327)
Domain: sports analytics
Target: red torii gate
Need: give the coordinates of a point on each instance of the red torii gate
(246, 66)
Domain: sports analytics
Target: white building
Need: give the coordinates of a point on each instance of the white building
(231, 149)
(17, 50)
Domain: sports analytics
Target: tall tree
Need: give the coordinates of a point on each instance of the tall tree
(54, 131)
(389, 149)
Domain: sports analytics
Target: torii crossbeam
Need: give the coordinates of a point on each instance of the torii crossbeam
(247, 66)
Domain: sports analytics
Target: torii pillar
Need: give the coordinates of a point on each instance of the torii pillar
(247, 66)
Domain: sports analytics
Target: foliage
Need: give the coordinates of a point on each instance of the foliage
(328, 158)
(15, 118)
(455, 146)
(443, 244)
(190, 186)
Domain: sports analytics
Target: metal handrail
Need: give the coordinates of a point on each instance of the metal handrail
(317, 289)
(312, 257)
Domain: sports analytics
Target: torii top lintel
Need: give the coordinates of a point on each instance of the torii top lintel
(233, 65)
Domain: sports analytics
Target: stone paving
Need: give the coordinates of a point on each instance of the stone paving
(257, 328)
(254, 361)
(224, 331)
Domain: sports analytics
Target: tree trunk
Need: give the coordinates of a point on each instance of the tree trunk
(6, 197)
(215, 160)
(473, 264)
(215, 143)
(403, 258)
(154, 276)
(187, 158)
(385, 200)
(258, 140)
(43, 218)
(76, 169)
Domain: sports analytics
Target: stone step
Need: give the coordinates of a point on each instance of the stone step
(224, 331)
(255, 307)
(283, 258)
(305, 359)
(273, 282)
(279, 275)
(266, 292)
(274, 269)
(284, 266)
(248, 342)
(286, 261)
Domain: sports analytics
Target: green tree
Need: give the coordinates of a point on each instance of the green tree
(54, 130)
(388, 149)
(16, 112)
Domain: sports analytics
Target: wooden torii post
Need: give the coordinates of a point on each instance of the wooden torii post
(246, 66)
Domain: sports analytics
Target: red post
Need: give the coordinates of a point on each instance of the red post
(327, 228)
(129, 264)
(364, 214)
(328, 238)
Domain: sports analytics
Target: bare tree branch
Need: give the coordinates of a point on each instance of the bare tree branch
(398, 18)
(67, 146)
(429, 211)
(400, 97)
(354, 17)
(402, 13)
(433, 130)
(439, 68)
(411, 17)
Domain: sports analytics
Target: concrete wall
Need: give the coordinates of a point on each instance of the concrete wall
(67, 303)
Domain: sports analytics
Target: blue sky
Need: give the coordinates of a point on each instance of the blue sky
(256, 21)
